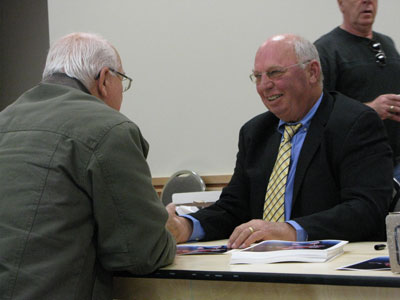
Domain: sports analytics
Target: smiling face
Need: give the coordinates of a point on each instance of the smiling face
(358, 16)
(293, 94)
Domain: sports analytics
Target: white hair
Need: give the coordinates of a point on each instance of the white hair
(306, 51)
(81, 56)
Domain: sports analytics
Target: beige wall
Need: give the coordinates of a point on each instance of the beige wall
(190, 61)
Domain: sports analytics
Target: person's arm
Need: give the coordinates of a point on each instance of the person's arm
(198, 231)
(301, 234)
(181, 228)
(130, 218)
(387, 106)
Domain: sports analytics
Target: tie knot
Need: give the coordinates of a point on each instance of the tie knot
(290, 131)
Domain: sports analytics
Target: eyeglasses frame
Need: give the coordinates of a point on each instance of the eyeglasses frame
(282, 72)
(124, 77)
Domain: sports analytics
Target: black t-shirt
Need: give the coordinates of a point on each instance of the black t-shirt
(349, 66)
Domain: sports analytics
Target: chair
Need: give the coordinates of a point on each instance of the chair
(181, 182)
(395, 204)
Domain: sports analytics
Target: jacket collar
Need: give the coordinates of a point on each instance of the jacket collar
(64, 79)
(313, 140)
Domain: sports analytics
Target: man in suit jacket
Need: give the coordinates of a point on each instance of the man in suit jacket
(340, 178)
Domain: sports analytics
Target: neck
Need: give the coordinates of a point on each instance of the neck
(365, 31)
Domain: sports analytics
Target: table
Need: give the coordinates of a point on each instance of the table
(212, 277)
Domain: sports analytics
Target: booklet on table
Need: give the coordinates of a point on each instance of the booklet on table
(200, 249)
(380, 263)
(286, 251)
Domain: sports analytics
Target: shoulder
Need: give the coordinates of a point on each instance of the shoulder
(328, 38)
(347, 112)
(259, 128)
(382, 38)
(345, 124)
(83, 116)
(343, 102)
(330, 45)
(106, 124)
(260, 122)
(338, 44)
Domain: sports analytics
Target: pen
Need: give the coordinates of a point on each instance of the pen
(379, 246)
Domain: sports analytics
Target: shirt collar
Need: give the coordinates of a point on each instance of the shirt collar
(306, 120)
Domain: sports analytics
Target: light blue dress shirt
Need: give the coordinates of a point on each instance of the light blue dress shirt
(297, 144)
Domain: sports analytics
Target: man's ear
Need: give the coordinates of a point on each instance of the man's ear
(314, 72)
(102, 83)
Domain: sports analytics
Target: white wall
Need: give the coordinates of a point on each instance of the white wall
(190, 60)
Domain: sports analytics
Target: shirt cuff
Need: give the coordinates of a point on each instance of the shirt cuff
(198, 231)
(301, 234)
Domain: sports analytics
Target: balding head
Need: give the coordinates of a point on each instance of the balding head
(288, 74)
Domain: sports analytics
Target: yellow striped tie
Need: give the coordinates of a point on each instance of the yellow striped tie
(274, 205)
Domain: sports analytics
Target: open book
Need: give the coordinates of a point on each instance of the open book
(286, 251)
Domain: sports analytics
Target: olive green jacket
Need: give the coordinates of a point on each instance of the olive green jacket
(76, 197)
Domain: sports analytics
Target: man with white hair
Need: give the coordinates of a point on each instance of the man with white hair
(316, 165)
(76, 196)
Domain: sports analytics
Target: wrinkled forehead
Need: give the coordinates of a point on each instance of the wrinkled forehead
(274, 53)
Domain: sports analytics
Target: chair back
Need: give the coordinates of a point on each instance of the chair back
(182, 182)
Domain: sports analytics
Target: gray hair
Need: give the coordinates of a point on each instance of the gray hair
(81, 56)
(306, 51)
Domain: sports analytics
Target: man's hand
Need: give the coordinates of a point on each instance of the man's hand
(259, 230)
(387, 106)
(180, 227)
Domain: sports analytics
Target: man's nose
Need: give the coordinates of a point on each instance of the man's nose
(265, 82)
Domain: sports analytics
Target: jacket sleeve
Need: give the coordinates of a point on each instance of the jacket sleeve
(130, 218)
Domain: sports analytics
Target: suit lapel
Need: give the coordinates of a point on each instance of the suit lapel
(264, 152)
(312, 141)
(271, 153)
(267, 164)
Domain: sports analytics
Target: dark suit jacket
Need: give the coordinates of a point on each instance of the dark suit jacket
(343, 180)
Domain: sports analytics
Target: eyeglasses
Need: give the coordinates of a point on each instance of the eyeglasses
(126, 80)
(380, 56)
(274, 73)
